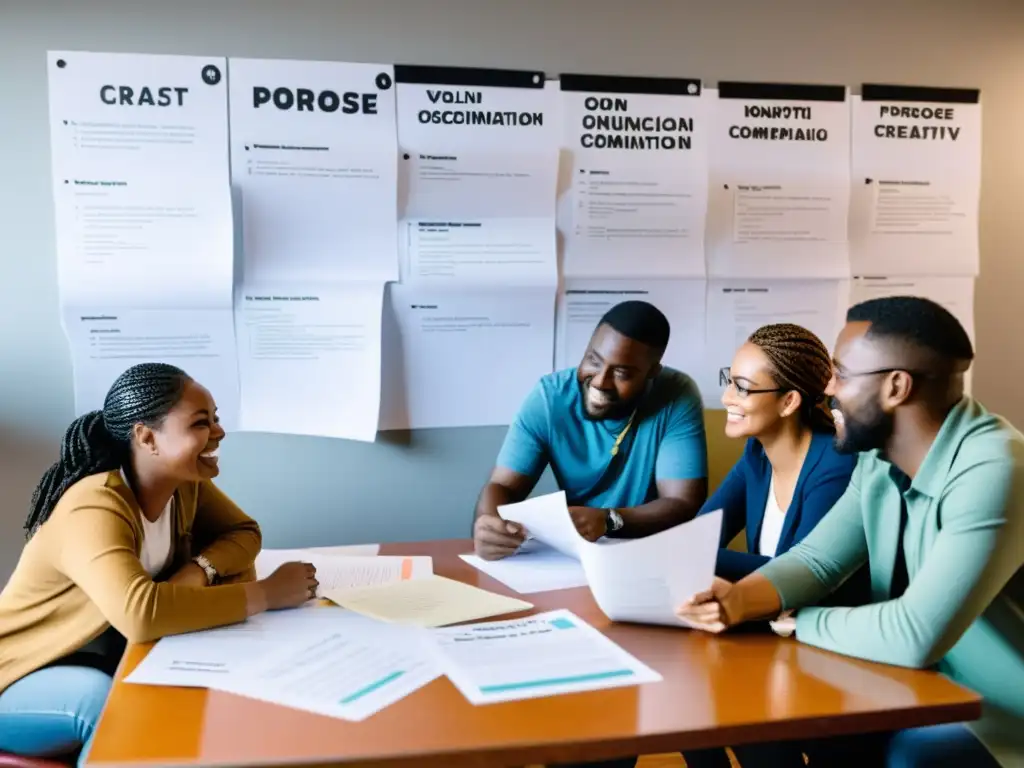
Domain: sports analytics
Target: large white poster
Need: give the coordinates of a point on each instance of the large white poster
(479, 166)
(314, 159)
(779, 181)
(143, 218)
(314, 154)
(634, 190)
(916, 181)
(470, 328)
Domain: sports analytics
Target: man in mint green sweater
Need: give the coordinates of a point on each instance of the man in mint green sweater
(936, 509)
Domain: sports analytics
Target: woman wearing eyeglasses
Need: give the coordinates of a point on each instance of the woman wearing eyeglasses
(790, 474)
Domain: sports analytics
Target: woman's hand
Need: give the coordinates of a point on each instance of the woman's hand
(705, 610)
(289, 586)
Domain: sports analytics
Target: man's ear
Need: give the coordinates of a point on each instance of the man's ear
(655, 370)
(145, 438)
(897, 389)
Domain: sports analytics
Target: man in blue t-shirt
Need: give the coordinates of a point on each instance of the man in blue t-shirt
(624, 437)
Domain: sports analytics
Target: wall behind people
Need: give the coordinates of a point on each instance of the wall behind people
(311, 490)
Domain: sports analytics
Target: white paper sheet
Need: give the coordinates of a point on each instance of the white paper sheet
(486, 252)
(736, 308)
(142, 205)
(546, 518)
(138, 243)
(643, 580)
(916, 182)
(309, 358)
(207, 659)
(582, 303)
(542, 655)
(478, 176)
(636, 196)
(351, 672)
(314, 154)
(635, 580)
(536, 567)
(485, 183)
(200, 341)
(132, 115)
(460, 359)
(268, 559)
(348, 571)
(779, 182)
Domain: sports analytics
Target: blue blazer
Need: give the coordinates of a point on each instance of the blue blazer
(744, 492)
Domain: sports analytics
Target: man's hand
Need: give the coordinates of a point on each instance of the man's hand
(707, 610)
(591, 523)
(494, 538)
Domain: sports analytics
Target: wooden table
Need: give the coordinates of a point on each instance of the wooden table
(716, 691)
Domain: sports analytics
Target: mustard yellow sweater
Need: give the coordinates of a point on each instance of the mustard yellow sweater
(80, 573)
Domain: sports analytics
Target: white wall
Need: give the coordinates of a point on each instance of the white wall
(303, 489)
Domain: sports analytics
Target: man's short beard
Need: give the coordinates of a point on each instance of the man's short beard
(867, 432)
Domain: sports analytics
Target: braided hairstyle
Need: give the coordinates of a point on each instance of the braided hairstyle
(100, 441)
(801, 362)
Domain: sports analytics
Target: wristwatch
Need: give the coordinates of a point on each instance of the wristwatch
(613, 521)
(207, 566)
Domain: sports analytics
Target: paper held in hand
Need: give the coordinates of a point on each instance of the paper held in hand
(632, 580)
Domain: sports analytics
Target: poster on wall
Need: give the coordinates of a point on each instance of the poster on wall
(314, 159)
(916, 181)
(470, 327)
(779, 181)
(634, 189)
(142, 205)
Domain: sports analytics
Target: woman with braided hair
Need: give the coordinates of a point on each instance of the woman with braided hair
(129, 540)
(790, 474)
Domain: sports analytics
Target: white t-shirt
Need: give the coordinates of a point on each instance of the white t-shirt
(771, 525)
(156, 538)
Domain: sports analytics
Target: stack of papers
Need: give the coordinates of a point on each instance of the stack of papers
(352, 663)
(632, 580)
(335, 662)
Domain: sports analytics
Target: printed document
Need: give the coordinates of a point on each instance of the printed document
(430, 602)
(351, 670)
(348, 572)
(142, 206)
(632, 580)
(542, 655)
(536, 567)
(205, 659)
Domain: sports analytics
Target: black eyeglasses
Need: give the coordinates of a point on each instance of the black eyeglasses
(725, 380)
(843, 375)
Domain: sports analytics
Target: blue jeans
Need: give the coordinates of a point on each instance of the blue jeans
(53, 711)
(935, 746)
